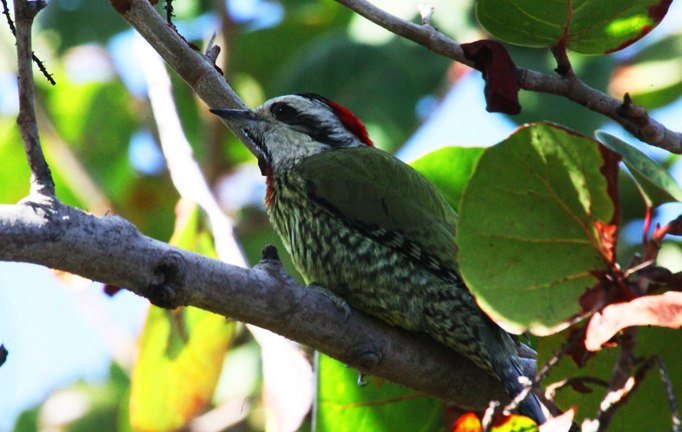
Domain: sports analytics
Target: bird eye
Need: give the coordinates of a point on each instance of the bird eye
(283, 112)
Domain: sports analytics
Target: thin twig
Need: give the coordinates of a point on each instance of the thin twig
(634, 119)
(544, 370)
(675, 413)
(43, 69)
(489, 416)
(41, 178)
(169, 11)
(10, 23)
(626, 359)
(550, 390)
(616, 398)
(426, 12)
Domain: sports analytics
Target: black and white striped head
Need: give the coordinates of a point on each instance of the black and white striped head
(290, 128)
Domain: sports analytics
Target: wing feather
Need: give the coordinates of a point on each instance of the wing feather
(387, 199)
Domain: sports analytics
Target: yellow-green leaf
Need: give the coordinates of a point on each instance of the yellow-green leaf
(181, 351)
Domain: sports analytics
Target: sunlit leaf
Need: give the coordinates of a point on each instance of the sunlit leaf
(513, 423)
(467, 423)
(592, 27)
(181, 351)
(538, 225)
(660, 310)
(379, 406)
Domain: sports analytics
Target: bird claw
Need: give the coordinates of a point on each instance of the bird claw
(339, 302)
(361, 382)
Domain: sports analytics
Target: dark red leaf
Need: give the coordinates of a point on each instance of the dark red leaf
(499, 72)
(3, 354)
(110, 290)
(577, 351)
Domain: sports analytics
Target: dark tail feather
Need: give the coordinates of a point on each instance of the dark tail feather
(530, 406)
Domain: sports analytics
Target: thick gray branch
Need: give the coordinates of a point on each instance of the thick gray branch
(41, 178)
(634, 119)
(111, 250)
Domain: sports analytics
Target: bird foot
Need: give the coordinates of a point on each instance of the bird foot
(339, 302)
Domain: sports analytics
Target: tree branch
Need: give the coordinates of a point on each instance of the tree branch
(197, 70)
(633, 119)
(111, 250)
(41, 178)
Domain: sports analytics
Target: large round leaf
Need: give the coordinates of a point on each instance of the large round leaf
(590, 26)
(538, 224)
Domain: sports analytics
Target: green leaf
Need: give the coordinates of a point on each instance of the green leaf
(449, 169)
(594, 26)
(181, 351)
(656, 184)
(538, 225)
(379, 406)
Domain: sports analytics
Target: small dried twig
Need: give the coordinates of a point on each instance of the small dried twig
(626, 359)
(544, 370)
(550, 390)
(169, 11)
(511, 406)
(212, 51)
(10, 23)
(41, 178)
(426, 11)
(559, 51)
(13, 29)
(674, 227)
(489, 416)
(675, 413)
(616, 398)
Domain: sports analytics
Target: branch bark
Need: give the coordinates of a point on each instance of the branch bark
(111, 250)
(633, 119)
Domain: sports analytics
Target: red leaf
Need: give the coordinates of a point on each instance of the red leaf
(499, 72)
(110, 290)
(467, 423)
(663, 310)
(577, 351)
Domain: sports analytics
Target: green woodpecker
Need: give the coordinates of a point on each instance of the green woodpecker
(369, 231)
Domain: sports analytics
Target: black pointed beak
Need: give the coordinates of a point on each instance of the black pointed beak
(239, 116)
(247, 120)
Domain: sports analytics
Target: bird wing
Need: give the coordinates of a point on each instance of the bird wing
(387, 200)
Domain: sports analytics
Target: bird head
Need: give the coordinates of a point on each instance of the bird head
(288, 129)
